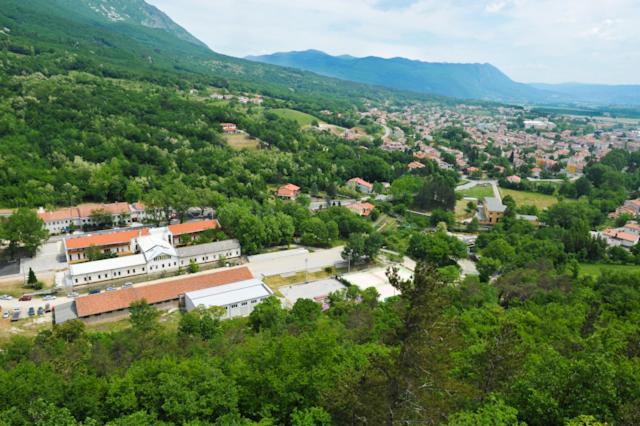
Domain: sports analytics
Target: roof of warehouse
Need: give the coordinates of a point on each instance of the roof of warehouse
(156, 293)
(199, 249)
(231, 293)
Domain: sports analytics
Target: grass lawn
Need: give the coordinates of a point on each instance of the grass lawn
(478, 191)
(460, 210)
(595, 269)
(242, 141)
(302, 118)
(276, 281)
(523, 198)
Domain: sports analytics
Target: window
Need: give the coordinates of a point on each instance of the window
(234, 306)
(254, 301)
(244, 303)
(76, 281)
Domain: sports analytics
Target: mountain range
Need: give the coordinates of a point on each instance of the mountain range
(132, 38)
(467, 81)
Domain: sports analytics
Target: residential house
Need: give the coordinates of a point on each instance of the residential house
(415, 165)
(360, 185)
(361, 209)
(288, 191)
(229, 128)
(514, 179)
(491, 210)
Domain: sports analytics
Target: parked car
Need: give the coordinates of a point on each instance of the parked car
(32, 311)
(111, 289)
(94, 291)
(47, 308)
(15, 316)
(49, 297)
(73, 294)
(127, 285)
(40, 310)
(5, 297)
(5, 315)
(24, 298)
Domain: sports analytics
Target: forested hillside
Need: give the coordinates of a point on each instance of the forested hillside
(564, 353)
(94, 108)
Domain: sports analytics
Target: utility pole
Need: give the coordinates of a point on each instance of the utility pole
(306, 269)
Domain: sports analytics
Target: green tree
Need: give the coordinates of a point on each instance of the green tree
(268, 315)
(143, 317)
(437, 193)
(24, 229)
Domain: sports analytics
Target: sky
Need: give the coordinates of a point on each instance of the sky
(550, 41)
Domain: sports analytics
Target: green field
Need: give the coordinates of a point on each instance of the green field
(479, 192)
(596, 269)
(523, 198)
(302, 118)
(242, 141)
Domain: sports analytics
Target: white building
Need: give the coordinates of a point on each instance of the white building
(239, 299)
(206, 253)
(156, 256)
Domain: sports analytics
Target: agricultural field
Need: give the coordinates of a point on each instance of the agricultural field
(301, 118)
(241, 141)
(595, 269)
(523, 198)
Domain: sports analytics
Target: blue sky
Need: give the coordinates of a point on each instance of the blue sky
(593, 41)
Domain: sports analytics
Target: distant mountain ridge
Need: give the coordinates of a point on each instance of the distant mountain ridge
(136, 12)
(466, 81)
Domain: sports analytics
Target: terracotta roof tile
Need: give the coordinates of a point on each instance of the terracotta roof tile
(100, 240)
(155, 293)
(193, 227)
(85, 210)
(59, 214)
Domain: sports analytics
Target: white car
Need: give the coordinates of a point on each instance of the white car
(49, 297)
(111, 289)
(5, 297)
(5, 315)
(73, 294)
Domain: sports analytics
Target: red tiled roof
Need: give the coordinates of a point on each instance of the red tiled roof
(101, 240)
(360, 181)
(59, 214)
(155, 293)
(85, 210)
(416, 165)
(193, 227)
(363, 209)
(288, 190)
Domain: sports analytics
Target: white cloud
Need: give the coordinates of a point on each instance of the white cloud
(562, 37)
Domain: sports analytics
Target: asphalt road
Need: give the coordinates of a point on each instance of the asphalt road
(297, 263)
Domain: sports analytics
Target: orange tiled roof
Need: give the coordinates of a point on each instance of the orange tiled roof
(363, 209)
(85, 210)
(360, 181)
(288, 190)
(156, 293)
(193, 227)
(59, 214)
(101, 240)
(416, 165)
